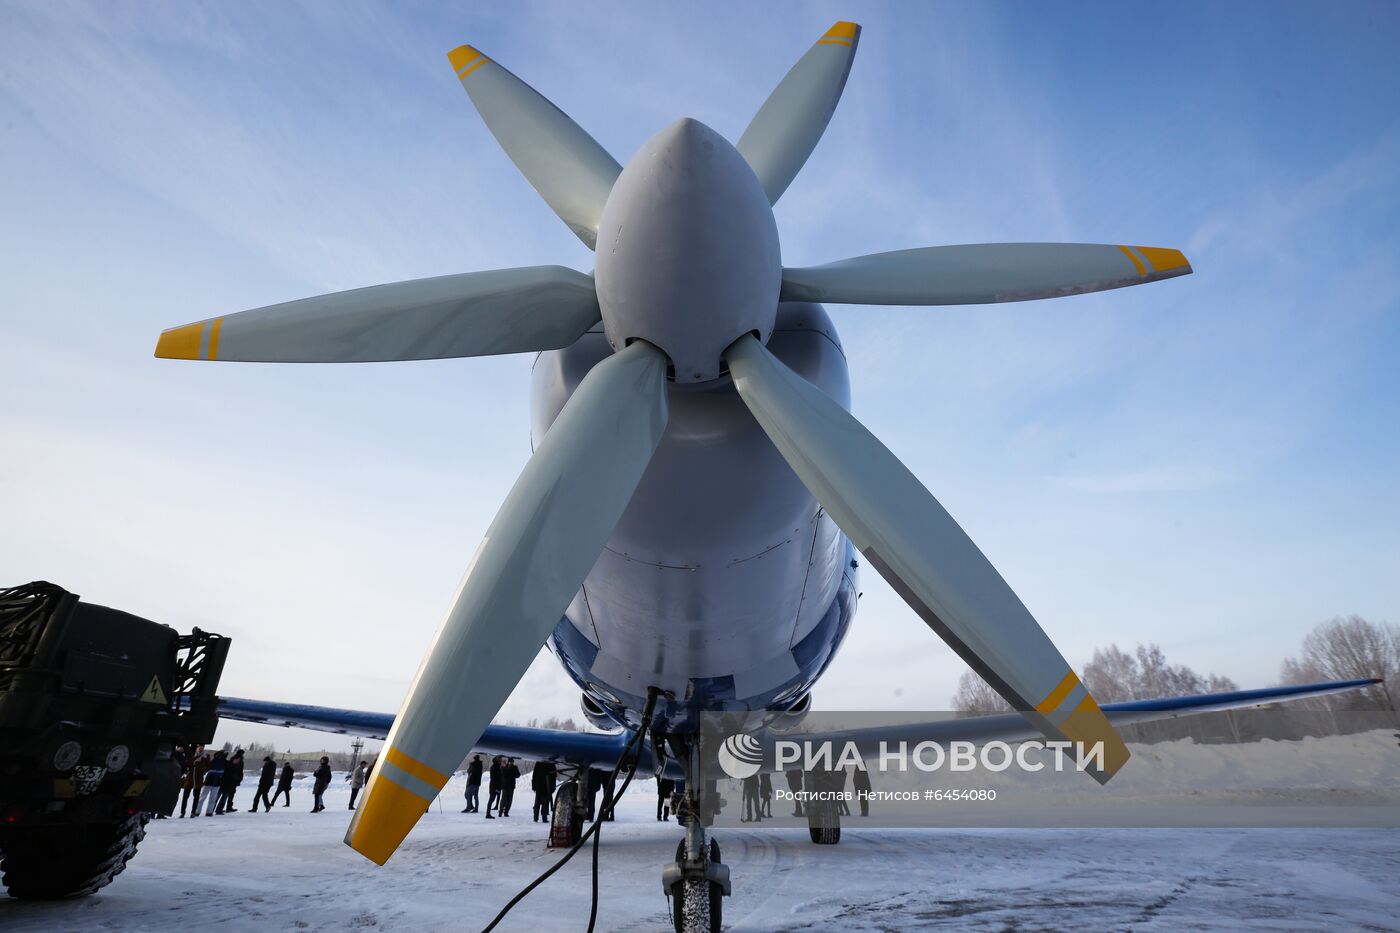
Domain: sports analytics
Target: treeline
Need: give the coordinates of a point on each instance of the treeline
(1350, 648)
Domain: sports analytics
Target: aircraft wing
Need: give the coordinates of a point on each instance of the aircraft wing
(604, 749)
(1014, 727)
(578, 748)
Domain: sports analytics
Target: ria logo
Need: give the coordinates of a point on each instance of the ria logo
(741, 756)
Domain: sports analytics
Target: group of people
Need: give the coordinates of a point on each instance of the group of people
(502, 773)
(501, 777)
(213, 779)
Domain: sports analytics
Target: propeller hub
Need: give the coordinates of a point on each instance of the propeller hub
(687, 254)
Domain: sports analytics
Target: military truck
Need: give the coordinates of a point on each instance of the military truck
(95, 707)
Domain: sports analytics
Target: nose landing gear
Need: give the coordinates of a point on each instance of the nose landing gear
(696, 881)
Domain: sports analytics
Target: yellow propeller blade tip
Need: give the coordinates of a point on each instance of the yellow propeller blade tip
(383, 821)
(464, 58)
(843, 30)
(181, 343)
(1165, 260)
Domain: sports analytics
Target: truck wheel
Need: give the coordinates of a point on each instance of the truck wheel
(68, 861)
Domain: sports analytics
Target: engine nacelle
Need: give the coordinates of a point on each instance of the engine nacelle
(787, 720)
(597, 715)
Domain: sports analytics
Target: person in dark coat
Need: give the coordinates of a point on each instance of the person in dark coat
(323, 780)
(213, 782)
(861, 783)
(284, 784)
(510, 773)
(794, 782)
(473, 785)
(595, 783)
(493, 787)
(358, 779)
(838, 782)
(233, 776)
(665, 790)
(193, 779)
(765, 795)
(542, 783)
(753, 804)
(265, 782)
(609, 794)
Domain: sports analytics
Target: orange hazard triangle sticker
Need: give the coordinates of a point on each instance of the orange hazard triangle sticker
(153, 693)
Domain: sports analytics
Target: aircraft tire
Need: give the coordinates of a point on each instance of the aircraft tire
(565, 826)
(697, 906)
(823, 823)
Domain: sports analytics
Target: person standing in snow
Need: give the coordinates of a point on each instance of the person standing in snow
(665, 790)
(609, 795)
(493, 787)
(194, 779)
(542, 783)
(593, 784)
(357, 778)
(213, 780)
(265, 781)
(323, 780)
(509, 775)
(233, 776)
(753, 805)
(765, 795)
(473, 785)
(284, 783)
(861, 783)
(794, 781)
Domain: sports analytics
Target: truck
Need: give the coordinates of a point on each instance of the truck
(99, 711)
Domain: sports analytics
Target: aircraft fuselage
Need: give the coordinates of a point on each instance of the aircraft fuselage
(724, 582)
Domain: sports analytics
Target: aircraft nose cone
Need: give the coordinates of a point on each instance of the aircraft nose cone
(688, 256)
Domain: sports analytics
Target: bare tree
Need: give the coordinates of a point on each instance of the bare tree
(1351, 648)
(1114, 676)
(975, 696)
(1111, 675)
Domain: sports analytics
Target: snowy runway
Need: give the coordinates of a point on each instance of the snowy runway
(290, 870)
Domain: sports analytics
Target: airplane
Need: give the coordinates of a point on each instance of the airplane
(687, 534)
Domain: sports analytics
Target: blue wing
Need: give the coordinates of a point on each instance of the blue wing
(579, 748)
(1013, 727)
(590, 748)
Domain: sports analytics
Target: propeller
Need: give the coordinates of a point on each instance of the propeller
(564, 164)
(918, 547)
(981, 273)
(686, 191)
(787, 127)
(472, 314)
(537, 551)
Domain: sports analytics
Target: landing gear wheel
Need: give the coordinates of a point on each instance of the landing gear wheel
(566, 825)
(69, 861)
(824, 823)
(697, 906)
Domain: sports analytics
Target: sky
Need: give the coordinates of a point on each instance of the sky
(1210, 463)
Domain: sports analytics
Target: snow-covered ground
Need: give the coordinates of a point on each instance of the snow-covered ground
(290, 870)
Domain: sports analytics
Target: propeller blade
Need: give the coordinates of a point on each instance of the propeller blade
(473, 314)
(981, 273)
(563, 163)
(920, 550)
(787, 127)
(536, 554)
